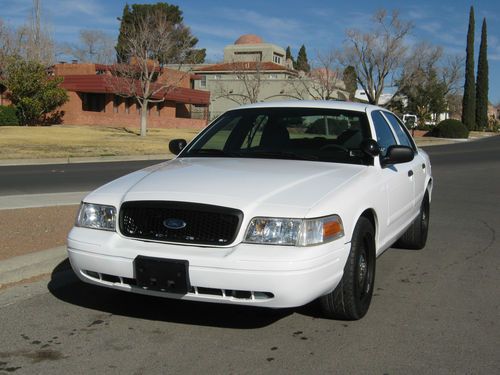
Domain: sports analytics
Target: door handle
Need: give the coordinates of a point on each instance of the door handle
(410, 173)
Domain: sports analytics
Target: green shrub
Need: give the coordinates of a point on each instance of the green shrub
(8, 116)
(450, 129)
(425, 127)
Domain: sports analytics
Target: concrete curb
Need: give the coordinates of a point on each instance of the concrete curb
(10, 202)
(77, 160)
(23, 267)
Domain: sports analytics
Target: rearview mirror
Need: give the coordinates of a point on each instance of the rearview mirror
(370, 147)
(176, 145)
(397, 155)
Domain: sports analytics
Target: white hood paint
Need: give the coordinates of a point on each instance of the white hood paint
(257, 186)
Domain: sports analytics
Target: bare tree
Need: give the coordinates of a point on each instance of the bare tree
(37, 43)
(249, 77)
(427, 80)
(143, 77)
(7, 47)
(31, 42)
(323, 82)
(248, 83)
(376, 54)
(425, 58)
(95, 46)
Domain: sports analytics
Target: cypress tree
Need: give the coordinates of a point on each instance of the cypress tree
(302, 63)
(482, 82)
(289, 56)
(469, 100)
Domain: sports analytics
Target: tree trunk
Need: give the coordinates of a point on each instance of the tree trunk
(144, 118)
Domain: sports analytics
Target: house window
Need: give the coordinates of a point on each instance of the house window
(217, 76)
(203, 81)
(273, 76)
(277, 59)
(94, 102)
(158, 108)
(116, 103)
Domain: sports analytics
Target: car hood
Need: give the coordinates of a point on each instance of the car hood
(261, 186)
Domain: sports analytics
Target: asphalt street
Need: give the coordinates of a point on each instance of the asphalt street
(434, 311)
(58, 178)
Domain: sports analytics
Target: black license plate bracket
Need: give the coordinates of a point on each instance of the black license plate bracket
(160, 274)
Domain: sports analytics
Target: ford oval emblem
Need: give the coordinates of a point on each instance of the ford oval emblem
(172, 223)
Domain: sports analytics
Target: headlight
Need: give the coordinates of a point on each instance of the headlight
(96, 216)
(294, 232)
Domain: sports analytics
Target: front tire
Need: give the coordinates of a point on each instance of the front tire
(351, 298)
(415, 236)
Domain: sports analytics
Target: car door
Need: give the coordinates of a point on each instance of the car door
(397, 181)
(418, 163)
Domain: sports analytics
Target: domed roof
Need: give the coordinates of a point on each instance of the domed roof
(249, 39)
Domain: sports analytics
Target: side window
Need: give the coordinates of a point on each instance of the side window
(385, 137)
(404, 139)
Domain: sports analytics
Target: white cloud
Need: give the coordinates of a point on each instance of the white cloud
(217, 31)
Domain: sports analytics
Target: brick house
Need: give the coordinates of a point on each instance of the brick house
(92, 100)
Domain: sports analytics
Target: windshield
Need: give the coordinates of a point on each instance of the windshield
(328, 135)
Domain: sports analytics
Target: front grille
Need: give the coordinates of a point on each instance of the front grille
(191, 222)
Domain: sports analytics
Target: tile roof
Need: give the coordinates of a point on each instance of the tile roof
(105, 84)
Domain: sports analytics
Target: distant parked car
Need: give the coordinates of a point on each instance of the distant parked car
(411, 121)
(273, 205)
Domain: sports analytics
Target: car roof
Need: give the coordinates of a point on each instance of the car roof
(325, 104)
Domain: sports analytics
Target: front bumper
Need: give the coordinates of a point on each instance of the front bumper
(245, 274)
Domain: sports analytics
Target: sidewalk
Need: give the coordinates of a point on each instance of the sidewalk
(33, 240)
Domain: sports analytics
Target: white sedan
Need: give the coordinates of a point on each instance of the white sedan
(273, 205)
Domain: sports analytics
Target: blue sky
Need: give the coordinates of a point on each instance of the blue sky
(318, 24)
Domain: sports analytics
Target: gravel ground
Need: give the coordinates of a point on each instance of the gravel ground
(28, 230)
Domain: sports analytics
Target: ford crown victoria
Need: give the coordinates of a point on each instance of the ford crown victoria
(273, 205)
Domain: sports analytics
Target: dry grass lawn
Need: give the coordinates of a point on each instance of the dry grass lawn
(62, 141)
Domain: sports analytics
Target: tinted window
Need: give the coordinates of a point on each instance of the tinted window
(396, 125)
(385, 137)
(315, 134)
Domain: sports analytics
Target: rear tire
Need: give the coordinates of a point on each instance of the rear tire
(415, 236)
(351, 298)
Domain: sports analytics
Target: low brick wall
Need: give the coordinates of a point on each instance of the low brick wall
(131, 121)
(74, 115)
(419, 133)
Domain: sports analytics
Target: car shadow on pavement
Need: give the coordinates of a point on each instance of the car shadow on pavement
(65, 286)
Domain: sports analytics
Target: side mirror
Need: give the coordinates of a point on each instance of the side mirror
(397, 155)
(370, 147)
(176, 145)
